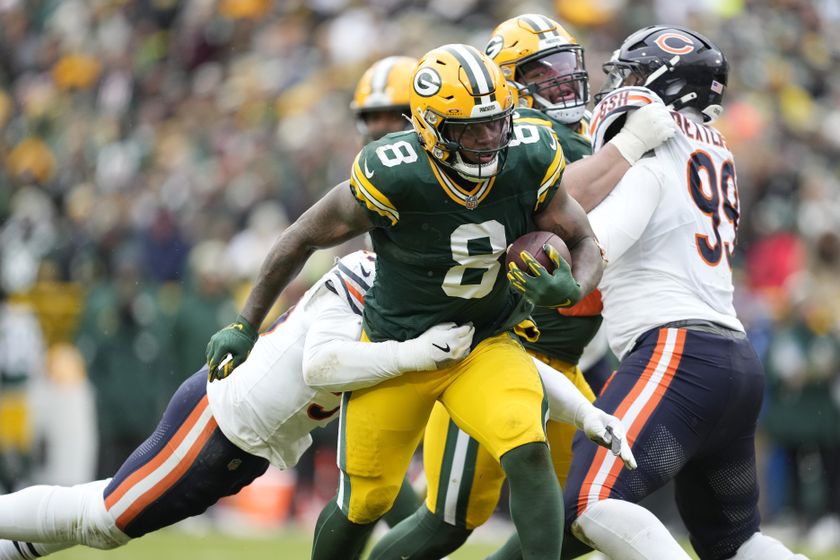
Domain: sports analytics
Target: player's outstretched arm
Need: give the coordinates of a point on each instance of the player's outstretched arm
(567, 404)
(335, 360)
(591, 179)
(333, 219)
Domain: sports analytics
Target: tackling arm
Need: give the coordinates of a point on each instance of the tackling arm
(334, 359)
(590, 180)
(621, 219)
(567, 404)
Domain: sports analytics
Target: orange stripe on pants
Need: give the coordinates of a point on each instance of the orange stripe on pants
(638, 423)
(171, 478)
(158, 459)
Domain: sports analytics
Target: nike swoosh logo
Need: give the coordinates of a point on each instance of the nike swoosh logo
(365, 272)
(368, 172)
(441, 348)
(553, 142)
(566, 303)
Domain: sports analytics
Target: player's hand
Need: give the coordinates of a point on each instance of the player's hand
(557, 289)
(438, 347)
(645, 129)
(607, 431)
(236, 339)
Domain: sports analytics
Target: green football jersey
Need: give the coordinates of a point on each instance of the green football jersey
(440, 247)
(561, 336)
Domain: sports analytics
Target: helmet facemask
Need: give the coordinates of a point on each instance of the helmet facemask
(475, 148)
(557, 82)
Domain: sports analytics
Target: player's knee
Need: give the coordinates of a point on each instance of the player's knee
(762, 547)
(375, 502)
(516, 422)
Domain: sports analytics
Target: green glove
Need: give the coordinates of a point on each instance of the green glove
(558, 289)
(236, 339)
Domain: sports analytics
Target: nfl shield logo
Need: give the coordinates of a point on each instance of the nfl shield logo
(471, 202)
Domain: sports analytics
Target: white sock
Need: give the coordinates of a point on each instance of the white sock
(19, 550)
(762, 547)
(60, 515)
(628, 531)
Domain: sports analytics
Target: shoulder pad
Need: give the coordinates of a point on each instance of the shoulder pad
(609, 115)
(351, 278)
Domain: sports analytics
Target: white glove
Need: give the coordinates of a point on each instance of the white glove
(607, 431)
(438, 347)
(645, 129)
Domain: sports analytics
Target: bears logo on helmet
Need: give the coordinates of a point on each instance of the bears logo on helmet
(683, 67)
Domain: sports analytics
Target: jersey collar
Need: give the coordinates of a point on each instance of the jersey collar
(469, 199)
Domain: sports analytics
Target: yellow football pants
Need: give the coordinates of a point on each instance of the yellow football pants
(464, 480)
(381, 426)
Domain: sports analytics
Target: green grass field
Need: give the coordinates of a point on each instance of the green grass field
(176, 545)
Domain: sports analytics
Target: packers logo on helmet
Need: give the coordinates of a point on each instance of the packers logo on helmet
(462, 107)
(427, 82)
(381, 98)
(545, 65)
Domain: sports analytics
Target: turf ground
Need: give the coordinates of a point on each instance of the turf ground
(176, 545)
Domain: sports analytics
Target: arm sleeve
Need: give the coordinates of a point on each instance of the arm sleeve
(565, 402)
(618, 222)
(334, 359)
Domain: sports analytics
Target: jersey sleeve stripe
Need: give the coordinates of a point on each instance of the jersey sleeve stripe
(555, 170)
(371, 196)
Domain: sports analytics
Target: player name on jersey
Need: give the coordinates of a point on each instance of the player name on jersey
(697, 131)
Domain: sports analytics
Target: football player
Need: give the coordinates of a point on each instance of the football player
(216, 438)
(544, 64)
(380, 102)
(689, 386)
(442, 202)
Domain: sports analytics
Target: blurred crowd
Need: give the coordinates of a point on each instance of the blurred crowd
(153, 149)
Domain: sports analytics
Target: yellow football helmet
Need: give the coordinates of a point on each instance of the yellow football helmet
(381, 99)
(544, 63)
(462, 109)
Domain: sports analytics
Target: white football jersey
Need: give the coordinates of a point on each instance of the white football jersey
(672, 223)
(264, 407)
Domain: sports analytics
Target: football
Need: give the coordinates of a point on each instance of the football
(533, 243)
